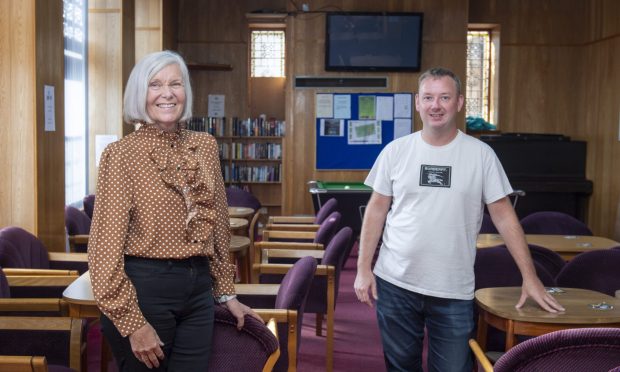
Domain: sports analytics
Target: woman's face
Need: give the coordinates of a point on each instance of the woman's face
(165, 99)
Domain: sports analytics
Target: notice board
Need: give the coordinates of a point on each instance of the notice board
(353, 128)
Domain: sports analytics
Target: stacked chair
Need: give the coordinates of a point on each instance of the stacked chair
(303, 223)
(38, 331)
(290, 295)
(280, 248)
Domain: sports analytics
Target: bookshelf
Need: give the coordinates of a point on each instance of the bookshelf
(250, 155)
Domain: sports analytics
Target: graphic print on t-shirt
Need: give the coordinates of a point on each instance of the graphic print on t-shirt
(435, 175)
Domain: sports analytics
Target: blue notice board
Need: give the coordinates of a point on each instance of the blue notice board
(353, 137)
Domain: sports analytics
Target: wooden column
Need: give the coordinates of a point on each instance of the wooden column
(32, 159)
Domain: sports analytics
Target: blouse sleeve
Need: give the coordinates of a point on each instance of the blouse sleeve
(113, 291)
(223, 271)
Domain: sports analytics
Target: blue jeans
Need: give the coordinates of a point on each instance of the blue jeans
(402, 316)
(176, 298)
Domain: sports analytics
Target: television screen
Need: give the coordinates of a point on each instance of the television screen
(373, 41)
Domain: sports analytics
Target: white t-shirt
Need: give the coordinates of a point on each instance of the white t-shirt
(438, 196)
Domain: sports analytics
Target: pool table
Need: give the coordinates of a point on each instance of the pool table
(352, 199)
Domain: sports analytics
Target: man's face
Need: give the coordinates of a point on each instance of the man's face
(438, 103)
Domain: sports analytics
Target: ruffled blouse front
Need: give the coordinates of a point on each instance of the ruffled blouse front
(159, 195)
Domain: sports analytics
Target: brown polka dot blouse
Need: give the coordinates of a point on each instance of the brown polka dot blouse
(159, 195)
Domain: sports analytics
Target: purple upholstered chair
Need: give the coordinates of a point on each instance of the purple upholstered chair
(580, 349)
(237, 197)
(251, 349)
(487, 226)
(558, 223)
(547, 258)
(495, 267)
(5, 291)
(595, 270)
(326, 209)
(292, 294)
(78, 225)
(89, 205)
(21, 249)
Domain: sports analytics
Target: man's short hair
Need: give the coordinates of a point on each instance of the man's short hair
(134, 101)
(439, 72)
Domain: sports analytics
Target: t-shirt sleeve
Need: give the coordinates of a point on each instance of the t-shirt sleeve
(379, 177)
(495, 184)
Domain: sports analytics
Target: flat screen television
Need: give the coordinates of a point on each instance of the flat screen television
(373, 41)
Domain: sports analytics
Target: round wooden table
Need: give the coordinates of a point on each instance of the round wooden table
(497, 308)
(240, 212)
(239, 253)
(237, 224)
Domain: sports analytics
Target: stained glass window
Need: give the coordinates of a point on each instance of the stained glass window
(479, 61)
(267, 53)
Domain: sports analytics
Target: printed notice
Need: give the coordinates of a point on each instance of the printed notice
(366, 107)
(324, 105)
(402, 127)
(342, 106)
(332, 127)
(364, 132)
(48, 108)
(402, 105)
(217, 104)
(385, 108)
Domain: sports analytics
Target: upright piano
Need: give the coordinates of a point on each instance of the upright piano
(550, 168)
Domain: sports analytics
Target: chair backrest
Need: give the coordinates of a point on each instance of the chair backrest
(487, 226)
(325, 210)
(18, 363)
(595, 270)
(77, 223)
(292, 295)
(333, 256)
(551, 222)
(495, 267)
(59, 339)
(579, 349)
(328, 229)
(247, 350)
(550, 260)
(89, 205)
(237, 197)
(5, 291)
(28, 250)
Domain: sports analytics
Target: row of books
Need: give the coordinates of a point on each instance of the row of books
(257, 150)
(260, 173)
(222, 127)
(252, 151)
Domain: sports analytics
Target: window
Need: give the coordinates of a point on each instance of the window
(267, 53)
(76, 140)
(482, 62)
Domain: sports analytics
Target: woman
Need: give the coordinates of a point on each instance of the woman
(158, 247)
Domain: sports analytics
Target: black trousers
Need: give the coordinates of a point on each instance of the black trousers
(176, 298)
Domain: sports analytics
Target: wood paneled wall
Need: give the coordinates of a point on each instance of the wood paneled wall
(111, 51)
(559, 73)
(444, 43)
(31, 56)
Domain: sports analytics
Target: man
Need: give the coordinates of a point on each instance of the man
(429, 190)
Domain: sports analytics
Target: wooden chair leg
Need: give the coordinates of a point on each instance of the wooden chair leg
(319, 324)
